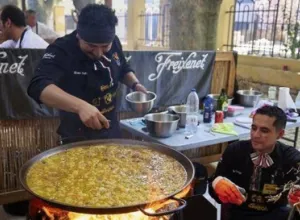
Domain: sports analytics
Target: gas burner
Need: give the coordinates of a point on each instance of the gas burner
(39, 210)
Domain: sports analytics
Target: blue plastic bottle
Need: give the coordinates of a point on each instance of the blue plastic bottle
(207, 109)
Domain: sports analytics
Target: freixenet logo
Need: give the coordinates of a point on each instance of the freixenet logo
(13, 68)
(175, 62)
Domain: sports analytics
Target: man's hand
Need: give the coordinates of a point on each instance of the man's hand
(139, 87)
(294, 195)
(92, 117)
(227, 191)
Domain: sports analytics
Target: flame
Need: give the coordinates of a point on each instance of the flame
(168, 204)
(127, 216)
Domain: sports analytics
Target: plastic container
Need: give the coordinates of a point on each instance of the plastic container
(272, 93)
(192, 107)
(234, 110)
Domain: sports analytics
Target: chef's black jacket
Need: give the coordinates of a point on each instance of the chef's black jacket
(95, 81)
(236, 165)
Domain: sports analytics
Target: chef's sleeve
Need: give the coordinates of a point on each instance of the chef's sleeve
(292, 163)
(125, 67)
(50, 70)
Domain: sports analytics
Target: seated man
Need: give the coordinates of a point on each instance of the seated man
(13, 30)
(250, 171)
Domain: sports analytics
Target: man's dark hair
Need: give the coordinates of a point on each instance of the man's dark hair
(99, 14)
(277, 113)
(13, 13)
(31, 12)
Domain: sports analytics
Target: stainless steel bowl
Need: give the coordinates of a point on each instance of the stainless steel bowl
(248, 98)
(161, 125)
(179, 110)
(141, 102)
(215, 98)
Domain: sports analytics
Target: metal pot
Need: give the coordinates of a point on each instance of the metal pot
(161, 125)
(179, 110)
(215, 98)
(140, 102)
(182, 159)
(248, 98)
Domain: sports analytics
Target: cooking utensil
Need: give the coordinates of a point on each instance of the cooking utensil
(179, 110)
(185, 162)
(161, 125)
(248, 98)
(247, 126)
(215, 100)
(140, 102)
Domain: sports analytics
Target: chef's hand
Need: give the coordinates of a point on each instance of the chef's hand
(92, 117)
(227, 191)
(139, 87)
(294, 195)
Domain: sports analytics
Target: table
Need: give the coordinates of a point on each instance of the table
(202, 138)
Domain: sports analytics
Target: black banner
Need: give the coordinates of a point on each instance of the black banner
(169, 74)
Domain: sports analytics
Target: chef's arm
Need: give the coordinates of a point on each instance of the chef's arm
(55, 97)
(132, 82)
(130, 79)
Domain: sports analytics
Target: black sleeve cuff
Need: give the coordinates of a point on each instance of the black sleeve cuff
(36, 87)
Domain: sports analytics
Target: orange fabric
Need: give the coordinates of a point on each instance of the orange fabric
(228, 192)
(294, 196)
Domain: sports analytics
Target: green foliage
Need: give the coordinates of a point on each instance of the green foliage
(293, 42)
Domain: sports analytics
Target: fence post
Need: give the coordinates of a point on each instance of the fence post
(135, 24)
(275, 28)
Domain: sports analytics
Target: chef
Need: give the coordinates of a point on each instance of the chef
(79, 74)
(252, 172)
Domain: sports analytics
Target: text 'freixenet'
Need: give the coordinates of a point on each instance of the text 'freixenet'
(12, 68)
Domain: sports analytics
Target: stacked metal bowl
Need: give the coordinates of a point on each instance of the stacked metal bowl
(161, 125)
(248, 98)
(140, 102)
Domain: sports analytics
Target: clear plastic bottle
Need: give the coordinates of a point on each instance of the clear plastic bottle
(192, 113)
(272, 93)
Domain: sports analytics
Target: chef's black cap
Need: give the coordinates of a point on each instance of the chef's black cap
(97, 24)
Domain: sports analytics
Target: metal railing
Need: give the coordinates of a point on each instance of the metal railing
(156, 26)
(265, 28)
(121, 28)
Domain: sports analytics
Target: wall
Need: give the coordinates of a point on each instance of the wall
(261, 72)
(224, 36)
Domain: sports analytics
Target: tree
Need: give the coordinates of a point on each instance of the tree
(193, 24)
(45, 9)
(79, 4)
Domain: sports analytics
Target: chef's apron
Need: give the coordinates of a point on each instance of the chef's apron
(98, 86)
(257, 206)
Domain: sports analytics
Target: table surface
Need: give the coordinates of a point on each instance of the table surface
(202, 138)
